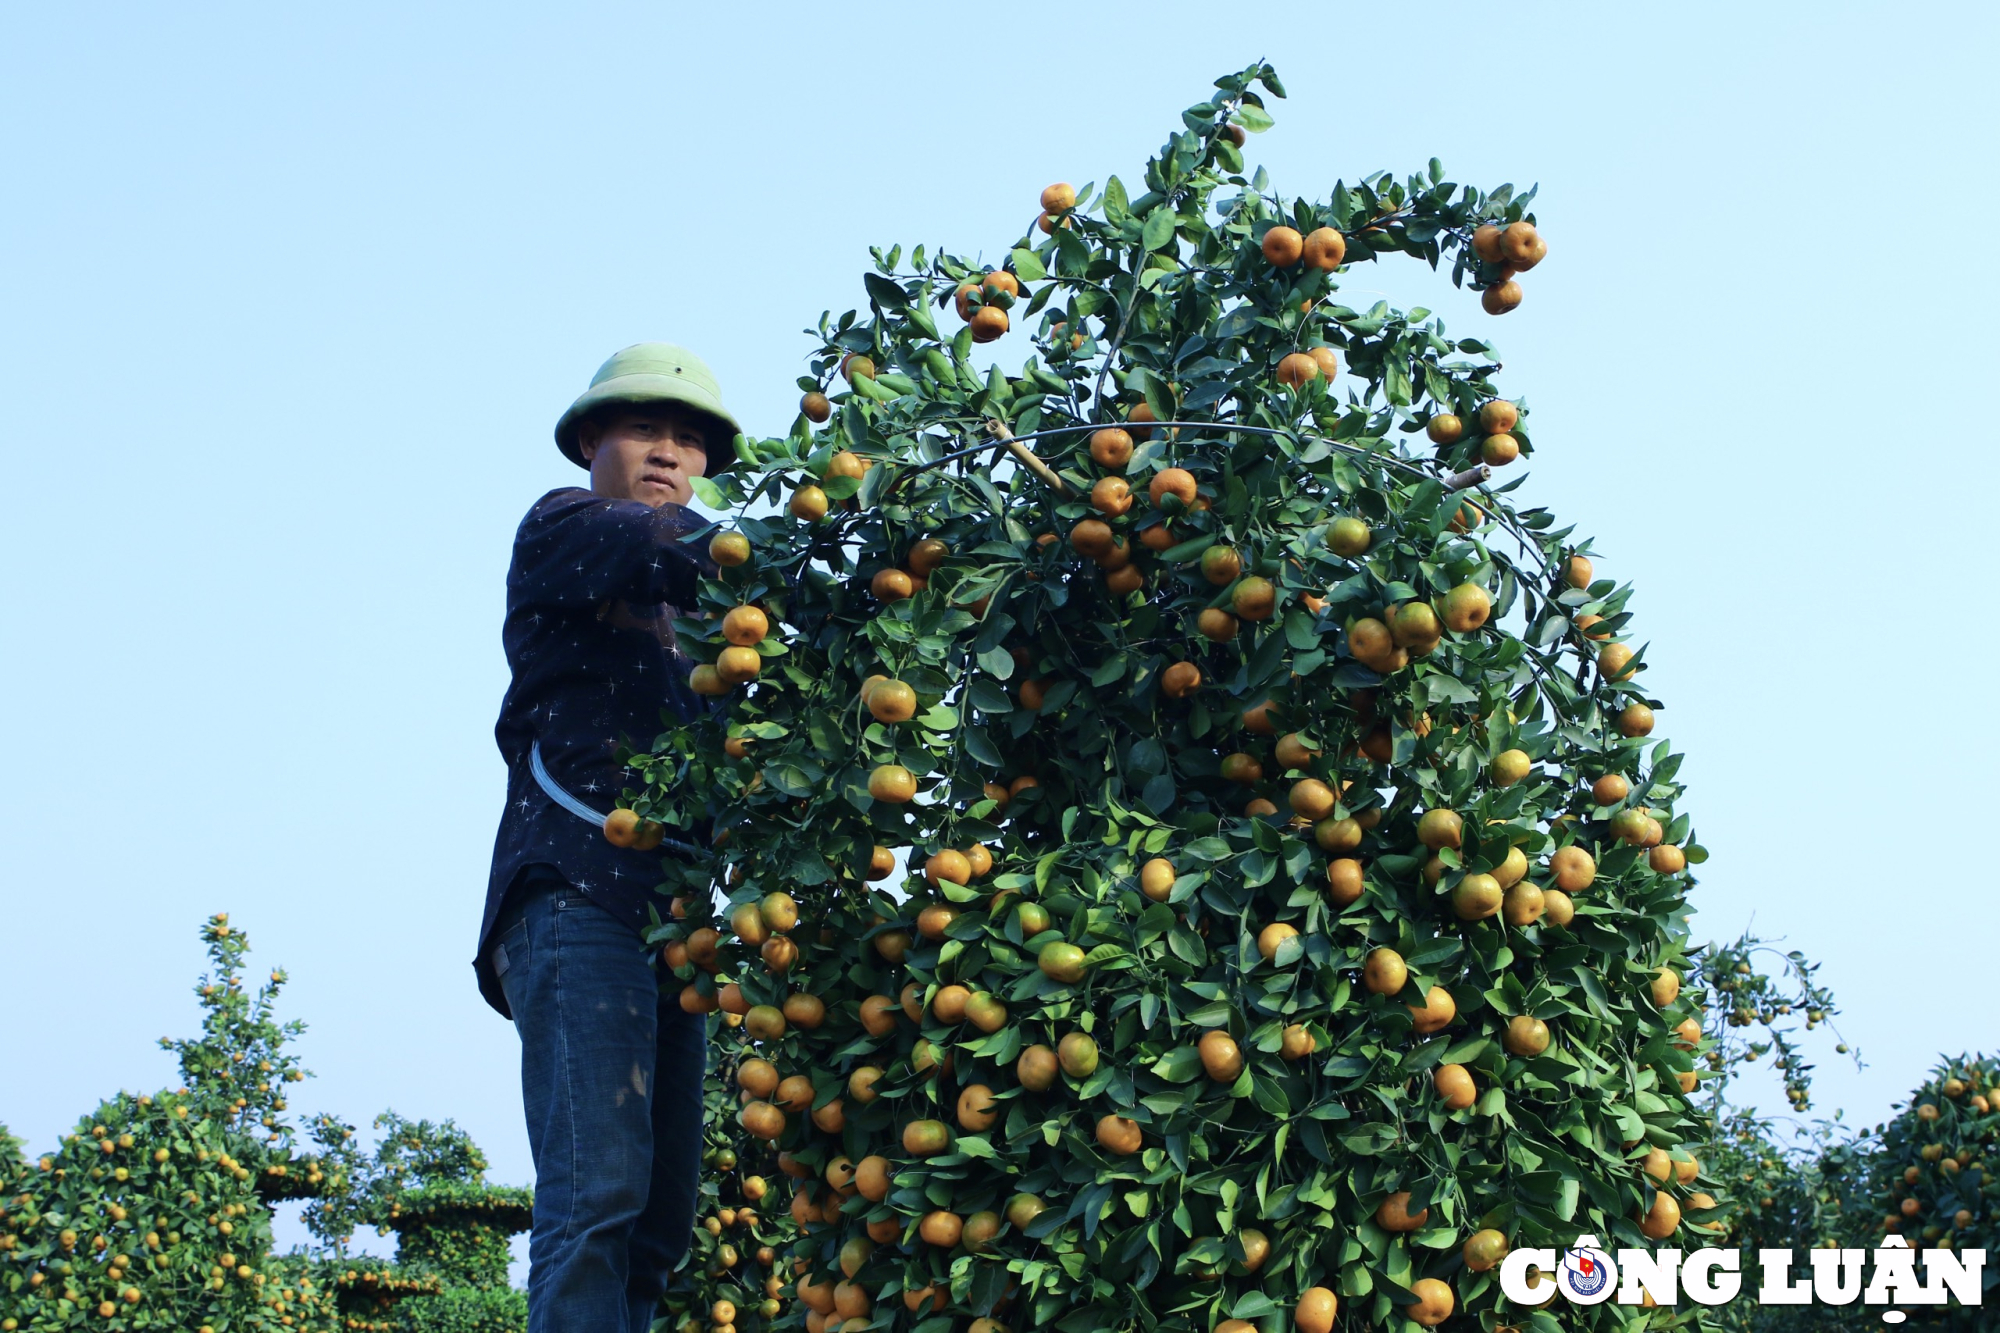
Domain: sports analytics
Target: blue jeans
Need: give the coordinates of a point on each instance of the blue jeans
(611, 1075)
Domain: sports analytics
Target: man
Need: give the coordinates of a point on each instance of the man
(611, 1067)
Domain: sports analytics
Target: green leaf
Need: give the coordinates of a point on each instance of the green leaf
(708, 493)
(885, 292)
(1042, 868)
(1214, 1014)
(1028, 265)
(1253, 118)
(1116, 207)
(1253, 1305)
(1442, 949)
(1396, 382)
(988, 697)
(980, 746)
(1300, 630)
(1179, 1065)
(1422, 1057)
(1370, 1140)
(1466, 1050)
(1268, 1095)
(1159, 230)
(1073, 250)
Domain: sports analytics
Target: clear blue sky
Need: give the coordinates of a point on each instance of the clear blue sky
(292, 296)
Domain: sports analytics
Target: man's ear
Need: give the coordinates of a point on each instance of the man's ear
(587, 437)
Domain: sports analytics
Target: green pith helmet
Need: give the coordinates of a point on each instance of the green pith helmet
(655, 373)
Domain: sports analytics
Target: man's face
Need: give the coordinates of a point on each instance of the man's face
(648, 454)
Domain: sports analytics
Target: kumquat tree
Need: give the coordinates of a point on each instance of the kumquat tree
(736, 1270)
(1294, 917)
(1931, 1171)
(157, 1211)
(427, 1183)
(1923, 1180)
(1791, 1185)
(1791, 1182)
(1758, 1015)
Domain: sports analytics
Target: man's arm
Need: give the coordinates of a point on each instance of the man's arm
(578, 549)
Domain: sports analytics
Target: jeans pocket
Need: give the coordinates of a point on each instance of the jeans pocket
(510, 948)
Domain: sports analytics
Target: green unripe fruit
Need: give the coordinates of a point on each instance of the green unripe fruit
(1347, 536)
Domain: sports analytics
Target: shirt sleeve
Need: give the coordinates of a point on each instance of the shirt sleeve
(576, 548)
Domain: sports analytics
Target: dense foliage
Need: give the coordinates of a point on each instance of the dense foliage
(1923, 1176)
(1301, 895)
(1930, 1176)
(145, 1219)
(428, 1185)
(1791, 1184)
(1930, 1170)
(735, 1266)
(156, 1212)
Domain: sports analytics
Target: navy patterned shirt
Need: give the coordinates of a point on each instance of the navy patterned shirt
(591, 595)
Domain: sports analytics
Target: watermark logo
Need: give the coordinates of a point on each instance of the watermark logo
(1891, 1275)
(1587, 1275)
